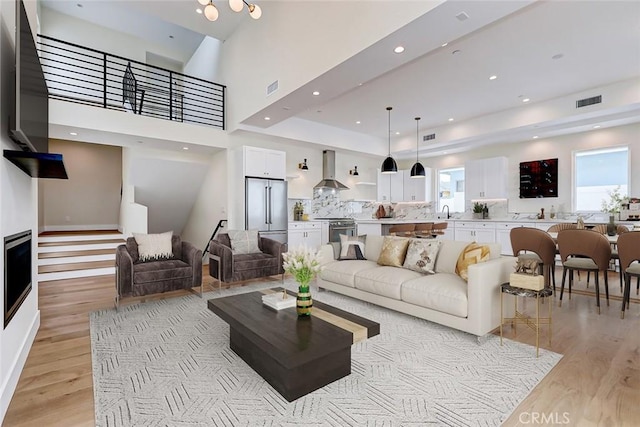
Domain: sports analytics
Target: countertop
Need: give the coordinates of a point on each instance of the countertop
(506, 220)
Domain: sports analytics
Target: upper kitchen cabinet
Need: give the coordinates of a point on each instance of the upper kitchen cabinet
(486, 178)
(417, 189)
(264, 163)
(390, 187)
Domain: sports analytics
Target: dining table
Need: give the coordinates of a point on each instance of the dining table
(612, 239)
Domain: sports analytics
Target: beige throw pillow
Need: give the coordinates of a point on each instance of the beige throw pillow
(154, 247)
(472, 254)
(394, 249)
(421, 255)
(244, 241)
(351, 247)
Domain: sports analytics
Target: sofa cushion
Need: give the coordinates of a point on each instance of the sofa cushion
(352, 247)
(394, 250)
(154, 247)
(472, 254)
(442, 292)
(161, 270)
(448, 255)
(254, 261)
(343, 272)
(373, 247)
(244, 241)
(384, 281)
(421, 255)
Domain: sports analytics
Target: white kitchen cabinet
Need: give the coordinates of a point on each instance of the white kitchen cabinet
(481, 232)
(417, 189)
(308, 234)
(264, 163)
(486, 178)
(370, 229)
(503, 235)
(390, 186)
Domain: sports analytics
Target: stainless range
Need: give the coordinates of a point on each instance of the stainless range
(338, 226)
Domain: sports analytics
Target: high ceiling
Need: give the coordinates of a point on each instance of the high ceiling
(540, 51)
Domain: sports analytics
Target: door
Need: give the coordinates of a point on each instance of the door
(277, 215)
(256, 209)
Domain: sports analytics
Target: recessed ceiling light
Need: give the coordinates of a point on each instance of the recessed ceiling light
(526, 100)
(444, 44)
(185, 148)
(399, 49)
(198, 10)
(535, 137)
(493, 77)
(397, 133)
(140, 142)
(79, 5)
(73, 133)
(444, 152)
(267, 118)
(316, 93)
(558, 56)
(455, 52)
(358, 122)
(286, 108)
(596, 127)
(450, 119)
(170, 36)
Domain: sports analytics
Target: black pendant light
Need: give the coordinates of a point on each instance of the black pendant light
(389, 165)
(417, 170)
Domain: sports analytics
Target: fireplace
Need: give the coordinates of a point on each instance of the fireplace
(17, 272)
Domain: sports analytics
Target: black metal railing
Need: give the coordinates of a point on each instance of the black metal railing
(88, 76)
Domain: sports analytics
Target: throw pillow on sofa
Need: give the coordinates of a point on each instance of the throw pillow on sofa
(472, 254)
(244, 241)
(394, 250)
(421, 255)
(154, 247)
(352, 247)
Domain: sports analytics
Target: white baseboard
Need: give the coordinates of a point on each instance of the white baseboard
(81, 227)
(9, 386)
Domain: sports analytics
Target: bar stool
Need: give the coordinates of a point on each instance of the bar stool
(402, 230)
(424, 230)
(439, 227)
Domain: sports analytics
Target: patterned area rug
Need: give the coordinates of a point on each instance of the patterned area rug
(168, 363)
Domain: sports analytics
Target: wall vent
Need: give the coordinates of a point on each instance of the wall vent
(462, 16)
(589, 101)
(272, 87)
(429, 137)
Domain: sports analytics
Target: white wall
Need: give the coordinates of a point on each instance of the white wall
(205, 62)
(18, 212)
(562, 148)
(90, 198)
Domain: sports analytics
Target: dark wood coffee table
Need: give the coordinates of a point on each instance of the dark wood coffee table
(295, 355)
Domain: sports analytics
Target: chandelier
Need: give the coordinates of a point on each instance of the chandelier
(211, 12)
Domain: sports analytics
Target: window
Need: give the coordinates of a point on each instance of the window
(598, 172)
(451, 189)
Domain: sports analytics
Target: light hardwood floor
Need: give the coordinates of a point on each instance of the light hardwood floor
(597, 382)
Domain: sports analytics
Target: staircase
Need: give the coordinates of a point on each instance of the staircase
(72, 254)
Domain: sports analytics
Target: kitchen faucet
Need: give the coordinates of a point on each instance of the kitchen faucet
(446, 206)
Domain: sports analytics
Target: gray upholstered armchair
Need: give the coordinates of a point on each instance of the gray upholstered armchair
(134, 278)
(227, 267)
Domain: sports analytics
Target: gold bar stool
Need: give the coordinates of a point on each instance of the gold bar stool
(519, 317)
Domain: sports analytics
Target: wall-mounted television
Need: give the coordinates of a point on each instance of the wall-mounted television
(539, 178)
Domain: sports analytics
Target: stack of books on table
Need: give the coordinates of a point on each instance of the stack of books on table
(276, 302)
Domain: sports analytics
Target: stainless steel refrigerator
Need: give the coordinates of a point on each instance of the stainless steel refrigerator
(266, 207)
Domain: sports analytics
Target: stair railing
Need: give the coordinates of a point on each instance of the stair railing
(218, 227)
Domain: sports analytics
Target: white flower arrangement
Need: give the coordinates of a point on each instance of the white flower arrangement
(302, 263)
(615, 202)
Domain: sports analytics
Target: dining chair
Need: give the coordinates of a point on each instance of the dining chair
(584, 250)
(402, 230)
(532, 243)
(439, 227)
(424, 229)
(629, 252)
(620, 229)
(556, 228)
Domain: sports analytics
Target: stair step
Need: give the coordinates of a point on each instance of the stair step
(80, 238)
(77, 242)
(83, 259)
(65, 254)
(75, 266)
(107, 245)
(58, 275)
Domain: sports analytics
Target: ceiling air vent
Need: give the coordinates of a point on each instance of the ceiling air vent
(428, 137)
(589, 101)
(272, 87)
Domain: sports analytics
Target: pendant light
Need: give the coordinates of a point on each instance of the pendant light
(417, 170)
(389, 165)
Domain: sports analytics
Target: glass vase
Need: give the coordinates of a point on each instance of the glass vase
(611, 226)
(304, 303)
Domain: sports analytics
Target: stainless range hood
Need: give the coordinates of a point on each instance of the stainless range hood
(329, 172)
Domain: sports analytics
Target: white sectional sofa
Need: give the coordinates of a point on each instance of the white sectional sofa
(443, 297)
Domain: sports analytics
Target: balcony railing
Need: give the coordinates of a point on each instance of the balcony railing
(87, 76)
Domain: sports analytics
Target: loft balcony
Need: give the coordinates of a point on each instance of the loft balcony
(88, 76)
